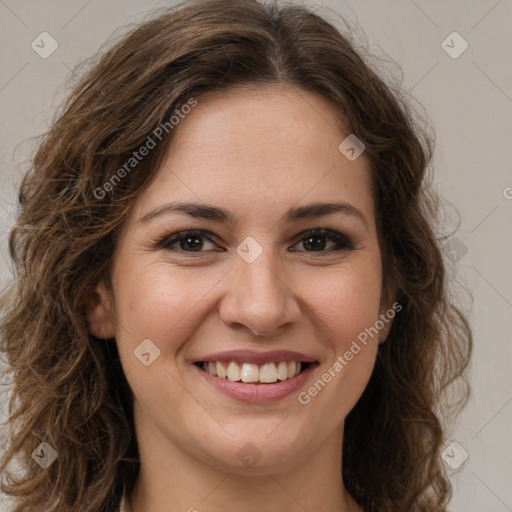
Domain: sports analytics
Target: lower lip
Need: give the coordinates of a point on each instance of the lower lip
(256, 393)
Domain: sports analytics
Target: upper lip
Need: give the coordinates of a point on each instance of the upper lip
(251, 356)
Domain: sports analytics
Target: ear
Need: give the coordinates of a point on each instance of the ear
(99, 312)
(388, 307)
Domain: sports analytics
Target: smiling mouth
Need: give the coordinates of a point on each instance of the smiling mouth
(268, 373)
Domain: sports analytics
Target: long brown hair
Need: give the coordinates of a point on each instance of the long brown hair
(68, 388)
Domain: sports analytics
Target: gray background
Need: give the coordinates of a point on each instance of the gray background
(469, 101)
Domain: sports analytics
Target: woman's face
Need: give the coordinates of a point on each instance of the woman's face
(251, 281)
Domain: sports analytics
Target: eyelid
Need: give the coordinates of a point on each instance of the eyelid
(341, 241)
(175, 237)
(339, 238)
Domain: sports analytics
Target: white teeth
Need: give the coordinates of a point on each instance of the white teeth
(212, 368)
(282, 370)
(233, 371)
(221, 371)
(249, 372)
(268, 373)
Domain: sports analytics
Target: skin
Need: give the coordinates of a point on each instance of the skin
(258, 153)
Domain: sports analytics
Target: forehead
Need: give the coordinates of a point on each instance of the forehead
(250, 149)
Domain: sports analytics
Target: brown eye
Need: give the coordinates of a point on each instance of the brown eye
(317, 239)
(189, 241)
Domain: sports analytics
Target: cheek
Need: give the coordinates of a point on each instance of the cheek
(346, 300)
(345, 305)
(160, 303)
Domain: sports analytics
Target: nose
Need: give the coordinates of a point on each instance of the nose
(259, 298)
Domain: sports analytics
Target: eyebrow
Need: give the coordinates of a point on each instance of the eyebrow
(209, 212)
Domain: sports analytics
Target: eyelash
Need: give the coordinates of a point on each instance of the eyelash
(342, 243)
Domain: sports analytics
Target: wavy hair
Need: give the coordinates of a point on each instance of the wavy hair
(68, 388)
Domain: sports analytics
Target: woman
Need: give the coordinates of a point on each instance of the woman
(228, 291)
